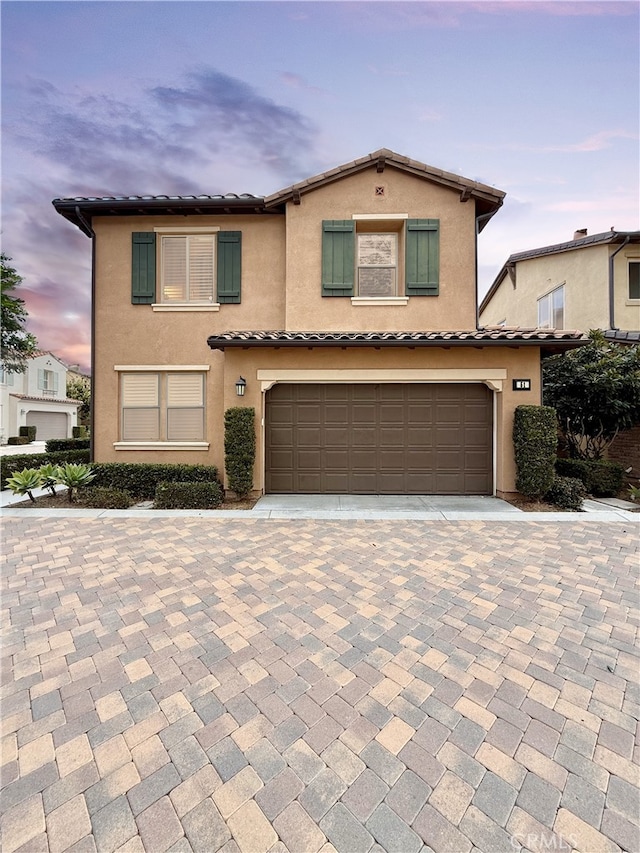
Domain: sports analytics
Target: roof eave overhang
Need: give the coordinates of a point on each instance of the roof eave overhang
(75, 210)
(488, 200)
(549, 346)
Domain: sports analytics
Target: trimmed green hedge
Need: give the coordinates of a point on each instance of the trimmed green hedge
(11, 464)
(105, 498)
(54, 445)
(566, 492)
(29, 432)
(187, 496)
(239, 448)
(535, 441)
(18, 439)
(142, 478)
(601, 478)
(80, 432)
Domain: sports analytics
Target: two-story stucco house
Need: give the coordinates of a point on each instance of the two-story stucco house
(37, 397)
(590, 282)
(343, 308)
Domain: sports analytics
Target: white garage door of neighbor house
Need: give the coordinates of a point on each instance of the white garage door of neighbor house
(48, 424)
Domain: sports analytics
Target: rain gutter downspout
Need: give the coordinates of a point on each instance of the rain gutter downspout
(484, 217)
(91, 233)
(611, 288)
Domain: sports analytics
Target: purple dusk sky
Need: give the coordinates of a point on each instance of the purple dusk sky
(539, 99)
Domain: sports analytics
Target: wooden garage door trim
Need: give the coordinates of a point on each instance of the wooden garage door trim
(379, 439)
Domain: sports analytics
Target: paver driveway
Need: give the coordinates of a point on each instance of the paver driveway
(215, 684)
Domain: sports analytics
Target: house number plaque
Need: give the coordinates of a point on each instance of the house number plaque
(522, 385)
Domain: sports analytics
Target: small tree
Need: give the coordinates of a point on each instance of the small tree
(18, 345)
(595, 391)
(239, 448)
(79, 389)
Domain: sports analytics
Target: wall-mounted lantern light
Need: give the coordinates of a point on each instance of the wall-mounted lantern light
(241, 384)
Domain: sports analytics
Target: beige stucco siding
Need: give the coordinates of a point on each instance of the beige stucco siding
(454, 308)
(519, 363)
(584, 273)
(129, 334)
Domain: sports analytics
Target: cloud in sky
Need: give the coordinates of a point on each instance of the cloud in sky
(166, 139)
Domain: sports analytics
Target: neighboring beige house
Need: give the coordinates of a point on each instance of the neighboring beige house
(590, 282)
(37, 397)
(342, 308)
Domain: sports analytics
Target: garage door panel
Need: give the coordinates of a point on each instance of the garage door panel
(336, 437)
(336, 482)
(391, 437)
(336, 459)
(364, 437)
(392, 460)
(48, 424)
(379, 439)
(309, 436)
(308, 459)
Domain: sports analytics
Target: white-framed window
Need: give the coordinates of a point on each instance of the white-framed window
(377, 264)
(551, 309)
(48, 381)
(187, 268)
(634, 279)
(162, 406)
(6, 377)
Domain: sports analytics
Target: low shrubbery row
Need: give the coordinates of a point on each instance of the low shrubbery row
(56, 444)
(601, 478)
(562, 482)
(12, 464)
(118, 485)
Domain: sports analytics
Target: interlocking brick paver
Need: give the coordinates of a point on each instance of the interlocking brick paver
(22, 824)
(67, 824)
(204, 827)
(479, 676)
(113, 825)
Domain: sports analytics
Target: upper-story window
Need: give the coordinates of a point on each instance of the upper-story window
(186, 268)
(187, 265)
(371, 258)
(48, 381)
(634, 279)
(377, 259)
(551, 309)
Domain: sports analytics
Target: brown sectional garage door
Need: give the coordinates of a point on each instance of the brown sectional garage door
(379, 439)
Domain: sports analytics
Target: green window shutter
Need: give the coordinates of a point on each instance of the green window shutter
(422, 267)
(338, 257)
(143, 268)
(56, 382)
(41, 379)
(229, 266)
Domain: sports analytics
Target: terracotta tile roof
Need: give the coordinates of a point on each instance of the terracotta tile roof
(487, 337)
(621, 337)
(46, 399)
(489, 199)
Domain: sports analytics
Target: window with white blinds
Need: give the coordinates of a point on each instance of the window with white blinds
(187, 264)
(162, 406)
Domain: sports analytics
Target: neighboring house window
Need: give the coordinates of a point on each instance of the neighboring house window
(6, 377)
(197, 267)
(363, 258)
(634, 279)
(162, 406)
(551, 309)
(48, 381)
